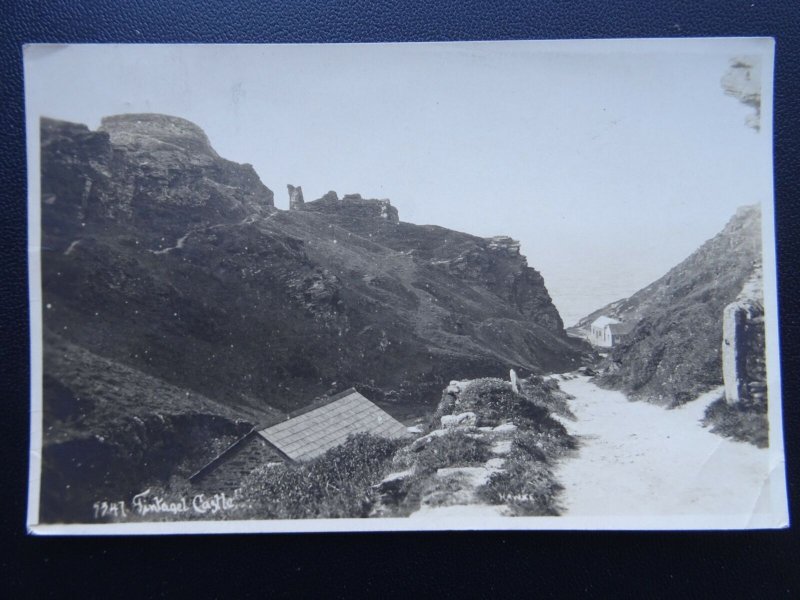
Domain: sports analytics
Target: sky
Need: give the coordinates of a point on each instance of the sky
(610, 161)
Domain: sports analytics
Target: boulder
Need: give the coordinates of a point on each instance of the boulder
(419, 443)
(466, 419)
(505, 428)
(392, 487)
(454, 388)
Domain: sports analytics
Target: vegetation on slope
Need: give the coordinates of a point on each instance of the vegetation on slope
(502, 454)
(190, 305)
(111, 431)
(337, 484)
(673, 353)
(359, 478)
(169, 259)
(743, 421)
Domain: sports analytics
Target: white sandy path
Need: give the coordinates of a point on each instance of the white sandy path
(639, 459)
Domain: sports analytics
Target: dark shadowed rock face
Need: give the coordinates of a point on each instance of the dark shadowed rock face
(111, 431)
(180, 307)
(175, 263)
(673, 354)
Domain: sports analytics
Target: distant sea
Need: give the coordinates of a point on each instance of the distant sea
(575, 297)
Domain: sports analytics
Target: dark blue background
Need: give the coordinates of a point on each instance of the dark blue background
(533, 564)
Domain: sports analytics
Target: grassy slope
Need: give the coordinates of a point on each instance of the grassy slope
(110, 431)
(91, 393)
(673, 353)
(744, 422)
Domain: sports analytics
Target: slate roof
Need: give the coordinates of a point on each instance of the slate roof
(312, 433)
(603, 321)
(620, 328)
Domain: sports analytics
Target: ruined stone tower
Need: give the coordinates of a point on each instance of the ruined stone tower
(296, 201)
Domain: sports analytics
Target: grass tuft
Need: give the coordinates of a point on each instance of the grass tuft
(338, 484)
(743, 422)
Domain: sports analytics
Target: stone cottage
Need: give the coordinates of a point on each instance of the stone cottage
(304, 435)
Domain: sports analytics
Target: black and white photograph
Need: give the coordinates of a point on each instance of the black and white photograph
(403, 286)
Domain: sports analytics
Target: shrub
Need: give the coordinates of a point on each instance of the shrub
(453, 449)
(438, 491)
(744, 422)
(544, 444)
(527, 487)
(338, 484)
(527, 484)
(493, 401)
(547, 395)
(446, 406)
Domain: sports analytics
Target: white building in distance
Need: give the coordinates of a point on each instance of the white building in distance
(607, 332)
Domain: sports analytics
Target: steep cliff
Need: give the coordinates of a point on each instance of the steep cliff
(180, 307)
(673, 352)
(152, 173)
(162, 256)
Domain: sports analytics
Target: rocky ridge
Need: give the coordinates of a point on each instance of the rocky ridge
(673, 353)
(208, 286)
(156, 173)
(170, 262)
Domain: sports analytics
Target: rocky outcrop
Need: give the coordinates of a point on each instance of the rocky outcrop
(296, 201)
(497, 262)
(673, 352)
(181, 307)
(174, 262)
(743, 349)
(155, 171)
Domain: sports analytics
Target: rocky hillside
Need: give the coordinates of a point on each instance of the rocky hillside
(163, 256)
(141, 171)
(111, 431)
(674, 351)
(166, 261)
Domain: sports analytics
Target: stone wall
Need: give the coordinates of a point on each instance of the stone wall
(743, 345)
(227, 477)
